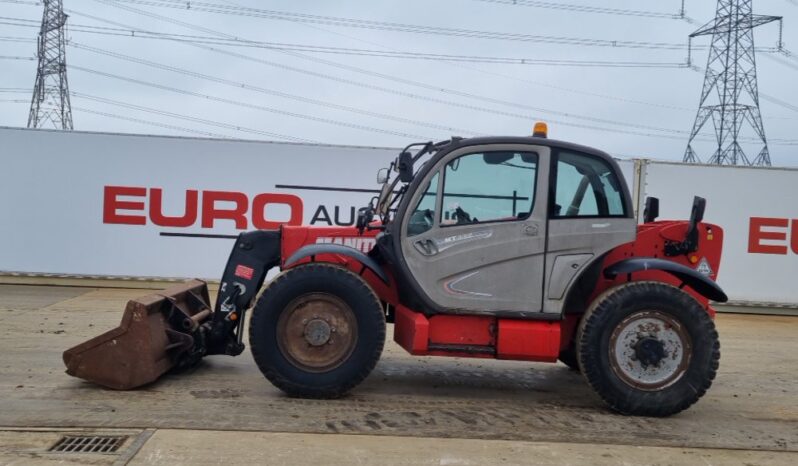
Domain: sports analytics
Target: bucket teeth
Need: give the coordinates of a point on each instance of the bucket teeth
(155, 335)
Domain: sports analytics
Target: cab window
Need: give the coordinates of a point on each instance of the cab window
(487, 187)
(423, 215)
(586, 187)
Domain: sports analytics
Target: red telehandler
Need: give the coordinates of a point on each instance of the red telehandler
(520, 248)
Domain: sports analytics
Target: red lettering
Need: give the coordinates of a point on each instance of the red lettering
(260, 202)
(238, 214)
(156, 209)
(756, 235)
(794, 241)
(111, 205)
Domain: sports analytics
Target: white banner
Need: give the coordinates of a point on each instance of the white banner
(757, 209)
(125, 205)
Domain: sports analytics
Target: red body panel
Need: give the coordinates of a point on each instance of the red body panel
(491, 337)
(650, 242)
(528, 340)
(476, 336)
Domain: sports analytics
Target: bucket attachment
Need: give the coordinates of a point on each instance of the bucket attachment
(158, 332)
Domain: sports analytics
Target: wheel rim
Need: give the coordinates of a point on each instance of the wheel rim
(650, 350)
(317, 332)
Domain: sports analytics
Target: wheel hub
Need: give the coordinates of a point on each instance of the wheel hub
(649, 350)
(317, 332)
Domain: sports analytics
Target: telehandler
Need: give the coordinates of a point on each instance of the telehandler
(521, 248)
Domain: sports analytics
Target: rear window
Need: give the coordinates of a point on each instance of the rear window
(586, 186)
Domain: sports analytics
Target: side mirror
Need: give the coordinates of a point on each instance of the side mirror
(651, 211)
(697, 214)
(382, 176)
(404, 166)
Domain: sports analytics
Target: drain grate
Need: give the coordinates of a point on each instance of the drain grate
(88, 444)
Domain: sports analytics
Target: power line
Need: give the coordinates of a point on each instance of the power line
(436, 88)
(16, 39)
(371, 73)
(588, 9)
(186, 117)
(396, 79)
(21, 2)
(150, 123)
(275, 93)
(240, 85)
(778, 102)
(141, 34)
(396, 27)
(792, 63)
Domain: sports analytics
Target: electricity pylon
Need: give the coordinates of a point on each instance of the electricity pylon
(730, 97)
(50, 104)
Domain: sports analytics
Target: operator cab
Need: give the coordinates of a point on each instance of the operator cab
(477, 211)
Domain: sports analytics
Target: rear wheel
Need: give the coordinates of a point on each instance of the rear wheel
(317, 331)
(648, 349)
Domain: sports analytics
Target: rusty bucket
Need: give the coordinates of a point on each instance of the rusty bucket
(157, 333)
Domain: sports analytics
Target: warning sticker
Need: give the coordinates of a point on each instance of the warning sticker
(703, 267)
(244, 272)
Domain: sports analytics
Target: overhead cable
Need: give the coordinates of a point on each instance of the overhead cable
(396, 27)
(203, 121)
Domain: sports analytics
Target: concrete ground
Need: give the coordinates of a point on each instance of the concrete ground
(409, 411)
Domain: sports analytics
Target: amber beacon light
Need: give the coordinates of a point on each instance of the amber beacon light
(541, 130)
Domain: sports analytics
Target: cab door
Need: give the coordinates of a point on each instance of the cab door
(474, 235)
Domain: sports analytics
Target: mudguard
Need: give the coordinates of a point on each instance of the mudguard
(700, 283)
(316, 249)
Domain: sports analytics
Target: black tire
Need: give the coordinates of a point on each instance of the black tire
(613, 314)
(337, 284)
(568, 357)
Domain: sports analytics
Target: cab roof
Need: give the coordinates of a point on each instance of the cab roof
(456, 143)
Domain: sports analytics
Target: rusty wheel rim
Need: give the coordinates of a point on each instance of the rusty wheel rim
(650, 350)
(317, 332)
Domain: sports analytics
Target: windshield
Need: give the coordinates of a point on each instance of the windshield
(391, 193)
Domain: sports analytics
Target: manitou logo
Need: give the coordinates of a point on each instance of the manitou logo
(776, 235)
(126, 205)
(357, 242)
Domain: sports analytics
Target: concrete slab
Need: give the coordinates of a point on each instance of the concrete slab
(753, 404)
(178, 447)
(27, 297)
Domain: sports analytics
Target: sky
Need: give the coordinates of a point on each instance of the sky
(264, 93)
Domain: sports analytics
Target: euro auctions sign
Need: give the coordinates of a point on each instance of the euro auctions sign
(772, 235)
(126, 205)
(145, 206)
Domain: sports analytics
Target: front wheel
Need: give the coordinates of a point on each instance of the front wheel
(648, 348)
(317, 331)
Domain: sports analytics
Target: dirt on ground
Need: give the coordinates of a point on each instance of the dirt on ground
(753, 404)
